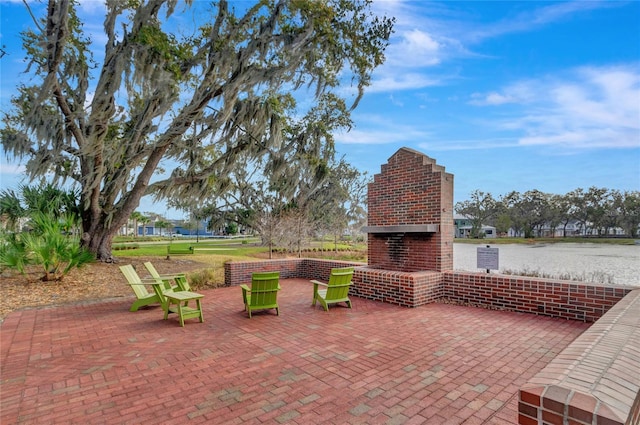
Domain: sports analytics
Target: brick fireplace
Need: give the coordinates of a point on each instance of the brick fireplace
(410, 224)
(410, 232)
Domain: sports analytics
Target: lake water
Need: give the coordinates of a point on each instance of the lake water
(602, 263)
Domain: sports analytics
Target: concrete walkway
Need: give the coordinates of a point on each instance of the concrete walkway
(374, 364)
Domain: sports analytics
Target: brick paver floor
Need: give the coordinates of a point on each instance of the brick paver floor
(97, 363)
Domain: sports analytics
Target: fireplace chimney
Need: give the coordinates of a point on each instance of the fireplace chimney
(410, 220)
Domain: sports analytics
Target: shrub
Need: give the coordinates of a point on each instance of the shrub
(124, 247)
(49, 244)
(206, 278)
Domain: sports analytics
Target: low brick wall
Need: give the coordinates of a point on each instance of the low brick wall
(556, 298)
(548, 297)
(408, 289)
(596, 379)
(239, 272)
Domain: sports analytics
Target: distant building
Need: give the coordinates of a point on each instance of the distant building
(200, 231)
(463, 227)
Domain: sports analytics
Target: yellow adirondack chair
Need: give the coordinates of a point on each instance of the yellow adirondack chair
(179, 278)
(337, 289)
(263, 294)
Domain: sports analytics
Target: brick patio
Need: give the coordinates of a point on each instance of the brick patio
(376, 363)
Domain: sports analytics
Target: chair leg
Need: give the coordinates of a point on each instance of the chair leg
(200, 308)
(179, 308)
(180, 315)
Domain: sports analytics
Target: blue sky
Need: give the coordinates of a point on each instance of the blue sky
(505, 95)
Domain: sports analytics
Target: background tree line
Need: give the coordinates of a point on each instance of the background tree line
(594, 212)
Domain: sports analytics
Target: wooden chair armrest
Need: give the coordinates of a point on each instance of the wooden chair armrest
(171, 276)
(315, 282)
(151, 281)
(146, 282)
(245, 288)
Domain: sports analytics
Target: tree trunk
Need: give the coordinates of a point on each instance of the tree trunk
(99, 242)
(98, 232)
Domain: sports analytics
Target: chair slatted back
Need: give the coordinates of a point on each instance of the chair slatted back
(181, 280)
(152, 269)
(264, 288)
(339, 283)
(134, 281)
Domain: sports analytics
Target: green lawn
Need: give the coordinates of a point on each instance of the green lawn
(159, 248)
(155, 246)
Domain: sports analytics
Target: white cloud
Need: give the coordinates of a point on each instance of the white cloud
(417, 45)
(370, 137)
(519, 92)
(534, 18)
(395, 102)
(379, 130)
(468, 145)
(416, 49)
(408, 81)
(92, 7)
(11, 175)
(590, 107)
(11, 169)
(491, 99)
(585, 139)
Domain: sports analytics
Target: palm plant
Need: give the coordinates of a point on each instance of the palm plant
(13, 253)
(11, 209)
(51, 246)
(144, 220)
(51, 242)
(48, 245)
(162, 224)
(135, 217)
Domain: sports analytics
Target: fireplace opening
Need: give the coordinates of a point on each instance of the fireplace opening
(405, 252)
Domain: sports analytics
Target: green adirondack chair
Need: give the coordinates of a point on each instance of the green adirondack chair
(263, 294)
(144, 297)
(165, 295)
(179, 278)
(337, 289)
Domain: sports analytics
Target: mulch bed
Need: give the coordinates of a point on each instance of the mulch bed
(92, 282)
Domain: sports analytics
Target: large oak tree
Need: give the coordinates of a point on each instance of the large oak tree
(168, 109)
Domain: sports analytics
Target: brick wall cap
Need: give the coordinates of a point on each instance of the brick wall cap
(403, 228)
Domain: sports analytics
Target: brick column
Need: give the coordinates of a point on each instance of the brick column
(410, 191)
